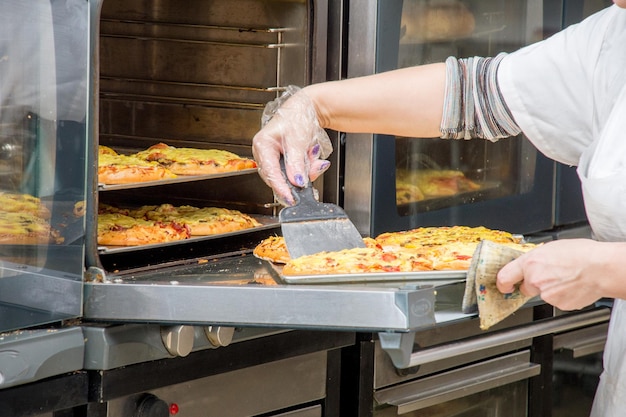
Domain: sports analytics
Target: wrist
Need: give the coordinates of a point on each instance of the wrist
(315, 96)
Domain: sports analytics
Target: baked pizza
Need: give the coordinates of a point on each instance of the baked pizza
(274, 249)
(117, 229)
(114, 168)
(357, 260)
(192, 161)
(407, 192)
(23, 203)
(24, 220)
(421, 249)
(435, 236)
(118, 226)
(418, 185)
(202, 221)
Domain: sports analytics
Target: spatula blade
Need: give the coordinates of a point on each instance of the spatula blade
(313, 236)
(311, 226)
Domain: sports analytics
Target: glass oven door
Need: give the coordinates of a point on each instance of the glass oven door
(428, 181)
(43, 127)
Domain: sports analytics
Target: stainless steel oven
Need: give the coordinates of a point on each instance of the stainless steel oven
(136, 328)
(107, 320)
(511, 185)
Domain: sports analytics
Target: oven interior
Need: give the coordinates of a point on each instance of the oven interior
(195, 76)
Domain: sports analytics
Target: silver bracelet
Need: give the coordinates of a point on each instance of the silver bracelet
(473, 106)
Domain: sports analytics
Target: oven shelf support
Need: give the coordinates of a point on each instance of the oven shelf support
(399, 346)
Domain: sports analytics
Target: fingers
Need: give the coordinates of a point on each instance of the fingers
(266, 151)
(317, 166)
(290, 128)
(511, 276)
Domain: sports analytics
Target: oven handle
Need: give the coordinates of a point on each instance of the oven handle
(399, 345)
(458, 383)
(583, 342)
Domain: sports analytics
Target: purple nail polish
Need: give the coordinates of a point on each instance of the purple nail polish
(316, 149)
(324, 166)
(299, 180)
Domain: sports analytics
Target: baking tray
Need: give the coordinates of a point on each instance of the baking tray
(450, 276)
(179, 179)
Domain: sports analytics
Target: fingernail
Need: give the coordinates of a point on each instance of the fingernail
(324, 166)
(316, 149)
(299, 180)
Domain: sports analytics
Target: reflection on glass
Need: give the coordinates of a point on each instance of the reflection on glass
(44, 49)
(430, 173)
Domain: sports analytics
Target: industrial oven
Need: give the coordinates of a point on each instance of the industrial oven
(513, 187)
(190, 328)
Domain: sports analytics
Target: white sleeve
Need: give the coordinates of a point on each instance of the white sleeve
(548, 87)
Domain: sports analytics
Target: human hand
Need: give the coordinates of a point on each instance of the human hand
(562, 273)
(290, 127)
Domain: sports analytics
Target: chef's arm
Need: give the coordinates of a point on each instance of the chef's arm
(405, 102)
(458, 99)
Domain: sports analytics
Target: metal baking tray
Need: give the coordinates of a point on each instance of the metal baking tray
(179, 179)
(450, 276)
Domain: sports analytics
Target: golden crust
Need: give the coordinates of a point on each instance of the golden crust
(192, 161)
(422, 249)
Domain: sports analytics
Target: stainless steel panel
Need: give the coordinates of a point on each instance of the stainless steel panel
(359, 147)
(114, 346)
(246, 392)
(364, 309)
(199, 293)
(32, 355)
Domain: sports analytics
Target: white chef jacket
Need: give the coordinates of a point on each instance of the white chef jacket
(568, 95)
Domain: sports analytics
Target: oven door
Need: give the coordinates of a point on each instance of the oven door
(495, 388)
(44, 49)
(397, 183)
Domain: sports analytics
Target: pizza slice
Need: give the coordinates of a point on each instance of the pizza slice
(192, 161)
(201, 221)
(114, 168)
(358, 260)
(23, 228)
(437, 183)
(23, 203)
(274, 249)
(407, 192)
(435, 236)
(116, 229)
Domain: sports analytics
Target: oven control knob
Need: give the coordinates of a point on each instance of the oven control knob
(151, 406)
(178, 340)
(219, 335)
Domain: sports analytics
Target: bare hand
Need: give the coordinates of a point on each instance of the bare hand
(563, 273)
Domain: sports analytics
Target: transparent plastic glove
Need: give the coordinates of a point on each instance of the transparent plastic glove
(290, 127)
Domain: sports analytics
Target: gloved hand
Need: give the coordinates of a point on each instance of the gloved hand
(290, 127)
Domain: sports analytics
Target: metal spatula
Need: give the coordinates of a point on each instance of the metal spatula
(311, 227)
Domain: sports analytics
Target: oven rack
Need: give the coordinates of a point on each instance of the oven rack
(221, 94)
